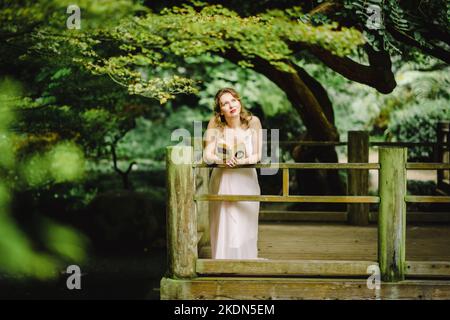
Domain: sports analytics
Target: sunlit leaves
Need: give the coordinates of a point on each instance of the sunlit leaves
(64, 240)
(66, 162)
(174, 85)
(155, 39)
(17, 256)
(132, 49)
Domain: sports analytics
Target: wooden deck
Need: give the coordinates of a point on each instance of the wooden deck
(295, 269)
(319, 241)
(307, 260)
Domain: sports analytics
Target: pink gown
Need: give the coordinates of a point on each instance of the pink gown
(234, 224)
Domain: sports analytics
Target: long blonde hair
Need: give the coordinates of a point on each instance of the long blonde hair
(245, 115)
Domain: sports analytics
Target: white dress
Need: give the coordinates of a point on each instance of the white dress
(234, 224)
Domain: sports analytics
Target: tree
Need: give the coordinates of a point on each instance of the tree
(259, 42)
(64, 101)
(143, 50)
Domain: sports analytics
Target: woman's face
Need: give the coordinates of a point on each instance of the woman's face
(230, 107)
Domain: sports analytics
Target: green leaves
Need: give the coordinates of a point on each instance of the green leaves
(402, 24)
(64, 241)
(158, 39)
(424, 115)
(64, 162)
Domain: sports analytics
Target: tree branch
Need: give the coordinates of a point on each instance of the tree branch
(436, 52)
(377, 75)
(123, 175)
(30, 28)
(327, 7)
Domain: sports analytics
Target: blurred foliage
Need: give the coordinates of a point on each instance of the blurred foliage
(63, 100)
(18, 257)
(150, 138)
(404, 124)
(423, 90)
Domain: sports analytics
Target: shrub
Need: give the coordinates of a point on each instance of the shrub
(418, 124)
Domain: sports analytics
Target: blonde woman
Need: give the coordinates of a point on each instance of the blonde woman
(233, 137)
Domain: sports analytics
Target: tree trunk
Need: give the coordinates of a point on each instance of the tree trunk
(318, 182)
(123, 174)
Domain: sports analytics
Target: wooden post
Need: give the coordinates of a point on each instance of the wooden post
(358, 180)
(202, 179)
(202, 187)
(181, 213)
(285, 182)
(392, 213)
(442, 138)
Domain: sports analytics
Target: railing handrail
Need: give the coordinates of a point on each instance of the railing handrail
(296, 165)
(289, 198)
(371, 143)
(324, 199)
(332, 165)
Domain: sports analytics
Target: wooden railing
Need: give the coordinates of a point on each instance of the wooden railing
(183, 204)
(358, 145)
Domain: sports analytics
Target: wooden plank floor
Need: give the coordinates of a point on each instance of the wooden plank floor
(318, 241)
(325, 241)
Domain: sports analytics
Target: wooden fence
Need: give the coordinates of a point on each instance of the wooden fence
(183, 204)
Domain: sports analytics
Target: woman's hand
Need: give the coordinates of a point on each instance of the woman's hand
(233, 161)
(236, 162)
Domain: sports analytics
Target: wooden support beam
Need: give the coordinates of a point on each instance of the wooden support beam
(418, 216)
(341, 216)
(392, 213)
(299, 165)
(242, 288)
(285, 182)
(358, 180)
(330, 268)
(283, 215)
(270, 198)
(428, 199)
(428, 269)
(314, 268)
(427, 166)
(181, 212)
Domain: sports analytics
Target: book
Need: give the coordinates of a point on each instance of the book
(225, 152)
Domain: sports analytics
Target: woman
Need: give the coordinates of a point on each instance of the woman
(233, 137)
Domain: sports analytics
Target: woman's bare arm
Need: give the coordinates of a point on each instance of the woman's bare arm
(209, 155)
(256, 129)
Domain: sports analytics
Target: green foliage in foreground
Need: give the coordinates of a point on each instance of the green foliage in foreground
(64, 162)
